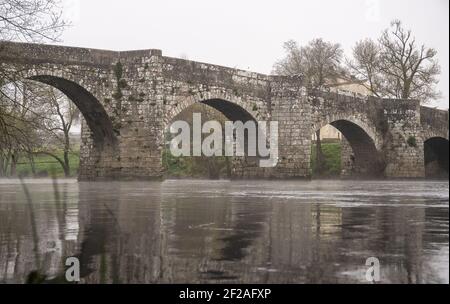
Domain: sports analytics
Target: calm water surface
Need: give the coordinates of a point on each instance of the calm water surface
(226, 232)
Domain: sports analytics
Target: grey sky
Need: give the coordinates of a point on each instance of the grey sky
(250, 34)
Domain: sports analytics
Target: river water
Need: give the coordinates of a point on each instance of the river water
(201, 231)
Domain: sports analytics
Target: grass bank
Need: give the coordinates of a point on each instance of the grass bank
(47, 166)
(332, 155)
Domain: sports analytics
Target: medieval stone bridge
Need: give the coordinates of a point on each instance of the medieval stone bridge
(129, 98)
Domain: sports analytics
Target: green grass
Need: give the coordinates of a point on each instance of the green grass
(47, 166)
(332, 155)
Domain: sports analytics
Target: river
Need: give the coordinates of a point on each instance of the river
(202, 231)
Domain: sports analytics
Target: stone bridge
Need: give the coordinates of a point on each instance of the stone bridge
(129, 98)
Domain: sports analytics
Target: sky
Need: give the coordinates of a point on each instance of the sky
(249, 34)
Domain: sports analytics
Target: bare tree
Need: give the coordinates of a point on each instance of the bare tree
(24, 21)
(17, 106)
(366, 65)
(293, 63)
(55, 127)
(319, 63)
(412, 68)
(38, 120)
(31, 20)
(396, 66)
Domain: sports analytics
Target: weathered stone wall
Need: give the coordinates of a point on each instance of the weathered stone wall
(347, 159)
(128, 99)
(404, 144)
(293, 113)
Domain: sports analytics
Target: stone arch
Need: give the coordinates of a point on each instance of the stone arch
(232, 106)
(361, 122)
(428, 134)
(92, 110)
(436, 151)
(361, 145)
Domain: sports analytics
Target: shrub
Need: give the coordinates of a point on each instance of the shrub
(412, 142)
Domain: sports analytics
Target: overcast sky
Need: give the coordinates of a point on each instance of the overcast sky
(250, 34)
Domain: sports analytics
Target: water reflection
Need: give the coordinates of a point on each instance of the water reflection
(226, 232)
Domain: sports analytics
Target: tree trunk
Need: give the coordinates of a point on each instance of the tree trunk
(66, 166)
(66, 151)
(32, 164)
(2, 165)
(14, 160)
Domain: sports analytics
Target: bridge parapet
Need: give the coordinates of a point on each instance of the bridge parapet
(29, 53)
(196, 74)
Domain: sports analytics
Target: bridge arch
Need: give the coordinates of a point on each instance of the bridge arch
(429, 133)
(360, 122)
(92, 110)
(436, 150)
(233, 107)
(364, 157)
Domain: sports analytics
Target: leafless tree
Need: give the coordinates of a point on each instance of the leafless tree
(17, 106)
(396, 66)
(24, 21)
(319, 62)
(31, 20)
(56, 125)
(366, 65)
(38, 120)
(28, 21)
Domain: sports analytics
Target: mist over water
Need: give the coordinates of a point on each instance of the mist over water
(202, 231)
